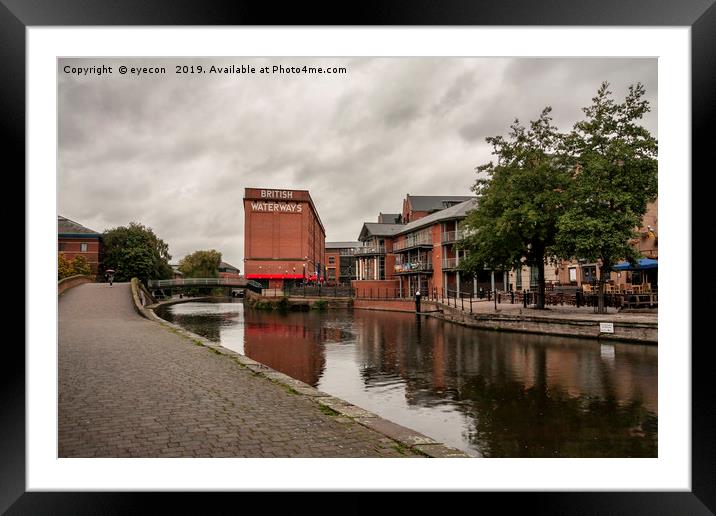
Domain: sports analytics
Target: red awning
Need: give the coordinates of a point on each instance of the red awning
(274, 276)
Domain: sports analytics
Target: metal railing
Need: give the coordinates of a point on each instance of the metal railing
(309, 291)
(410, 242)
(449, 263)
(379, 249)
(198, 282)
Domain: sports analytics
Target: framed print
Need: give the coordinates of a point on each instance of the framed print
(321, 166)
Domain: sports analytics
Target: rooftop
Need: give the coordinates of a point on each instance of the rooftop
(459, 211)
(342, 245)
(435, 202)
(66, 226)
(224, 265)
(371, 229)
(389, 218)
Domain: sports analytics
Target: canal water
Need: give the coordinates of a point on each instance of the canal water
(490, 394)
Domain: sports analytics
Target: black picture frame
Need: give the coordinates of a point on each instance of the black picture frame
(699, 15)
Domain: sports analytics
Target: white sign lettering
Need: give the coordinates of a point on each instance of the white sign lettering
(606, 327)
(277, 194)
(287, 207)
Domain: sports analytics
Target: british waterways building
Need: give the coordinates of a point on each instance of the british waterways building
(284, 238)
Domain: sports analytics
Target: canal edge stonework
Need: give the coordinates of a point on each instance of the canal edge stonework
(405, 437)
(624, 331)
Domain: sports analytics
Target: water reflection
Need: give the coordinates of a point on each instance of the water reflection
(488, 393)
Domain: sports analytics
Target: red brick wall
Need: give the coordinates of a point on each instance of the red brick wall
(335, 266)
(72, 246)
(375, 288)
(282, 232)
(391, 305)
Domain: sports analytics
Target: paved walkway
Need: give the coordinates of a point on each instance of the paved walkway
(129, 387)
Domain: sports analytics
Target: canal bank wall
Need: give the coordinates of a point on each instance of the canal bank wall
(258, 301)
(549, 323)
(556, 324)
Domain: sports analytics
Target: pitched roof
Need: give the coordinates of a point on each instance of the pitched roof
(371, 229)
(435, 202)
(389, 218)
(224, 265)
(66, 226)
(342, 245)
(459, 211)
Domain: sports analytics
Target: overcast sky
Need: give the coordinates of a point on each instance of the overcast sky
(175, 151)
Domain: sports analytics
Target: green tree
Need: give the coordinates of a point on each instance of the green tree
(81, 266)
(614, 178)
(520, 200)
(135, 251)
(64, 267)
(201, 264)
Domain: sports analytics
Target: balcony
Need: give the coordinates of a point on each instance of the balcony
(413, 242)
(449, 237)
(413, 268)
(449, 263)
(367, 251)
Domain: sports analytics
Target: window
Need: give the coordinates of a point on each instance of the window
(332, 260)
(83, 248)
(62, 246)
(534, 277)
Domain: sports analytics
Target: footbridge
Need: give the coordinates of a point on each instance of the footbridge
(204, 282)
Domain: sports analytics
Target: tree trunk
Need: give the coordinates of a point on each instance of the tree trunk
(540, 283)
(600, 290)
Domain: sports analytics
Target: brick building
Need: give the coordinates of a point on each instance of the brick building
(341, 262)
(414, 250)
(284, 238)
(74, 239)
(578, 272)
(226, 270)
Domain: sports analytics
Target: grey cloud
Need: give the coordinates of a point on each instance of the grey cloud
(176, 152)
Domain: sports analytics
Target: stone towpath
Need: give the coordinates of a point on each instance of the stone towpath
(130, 387)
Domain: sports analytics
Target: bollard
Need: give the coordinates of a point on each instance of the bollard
(489, 293)
(417, 302)
(524, 298)
(470, 302)
(512, 297)
(462, 303)
(495, 297)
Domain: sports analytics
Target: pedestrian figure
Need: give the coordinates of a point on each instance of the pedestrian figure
(109, 273)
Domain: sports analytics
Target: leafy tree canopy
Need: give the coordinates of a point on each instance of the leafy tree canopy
(67, 268)
(520, 200)
(614, 177)
(135, 251)
(201, 264)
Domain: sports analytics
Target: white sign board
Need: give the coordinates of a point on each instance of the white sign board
(606, 327)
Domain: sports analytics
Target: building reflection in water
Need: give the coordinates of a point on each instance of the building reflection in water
(493, 394)
(286, 342)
